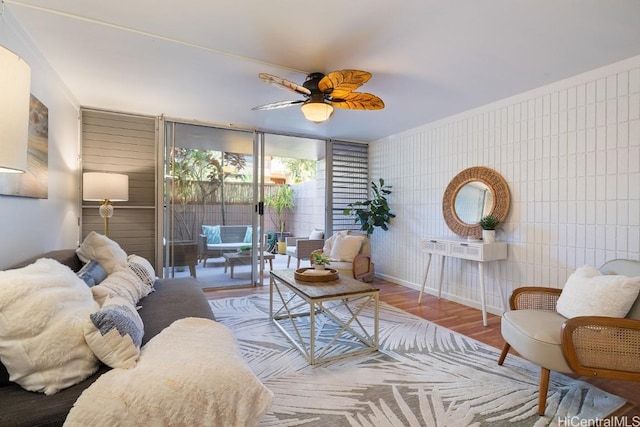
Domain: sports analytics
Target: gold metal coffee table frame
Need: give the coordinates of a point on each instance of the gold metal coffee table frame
(323, 298)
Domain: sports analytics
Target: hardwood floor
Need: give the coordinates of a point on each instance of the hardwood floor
(467, 321)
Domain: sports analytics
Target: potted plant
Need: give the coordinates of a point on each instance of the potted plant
(489, 223)
(319, 260)
(281, 200)
(375, 212)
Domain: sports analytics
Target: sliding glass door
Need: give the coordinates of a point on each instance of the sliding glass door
(224, 221)
(210, 200)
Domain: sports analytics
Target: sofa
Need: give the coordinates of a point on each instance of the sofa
(169, 306)
(217, 239)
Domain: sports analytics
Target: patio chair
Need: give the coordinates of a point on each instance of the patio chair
(301, 247)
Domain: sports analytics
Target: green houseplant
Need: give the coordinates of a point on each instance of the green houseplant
(280, 201)
(319, 260)
(489, 224)
(374, 212)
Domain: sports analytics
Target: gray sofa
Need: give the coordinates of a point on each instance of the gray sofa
(173, 299)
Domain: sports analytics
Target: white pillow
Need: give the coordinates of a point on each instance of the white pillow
(591, 293)
(191, 373)
(328, 244)
(43, 307)
(114, 333)
(345, 248)
(143, 269)
(107, 252)
(316, 234)
(125, 283)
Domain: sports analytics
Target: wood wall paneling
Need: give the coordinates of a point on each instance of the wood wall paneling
(122, 143)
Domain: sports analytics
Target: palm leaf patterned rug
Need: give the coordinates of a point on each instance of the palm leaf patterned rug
(423, 375)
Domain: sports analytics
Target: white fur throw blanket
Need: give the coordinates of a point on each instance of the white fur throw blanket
(192, 373)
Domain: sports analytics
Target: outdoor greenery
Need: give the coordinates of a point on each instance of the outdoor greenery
(281, 201)
(204, 181)
(374, 212)
(300, 170)
(196, 177)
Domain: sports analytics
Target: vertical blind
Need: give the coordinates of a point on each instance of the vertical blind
(349, 181)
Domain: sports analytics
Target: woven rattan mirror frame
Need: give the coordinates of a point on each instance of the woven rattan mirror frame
(497, 185)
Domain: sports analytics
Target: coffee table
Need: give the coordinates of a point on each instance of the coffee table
(244, 258)
(342, 301)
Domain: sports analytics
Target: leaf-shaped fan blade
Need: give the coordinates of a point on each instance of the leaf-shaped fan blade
(359, 101)
(283, 84)
(279, 104)
(343, 82)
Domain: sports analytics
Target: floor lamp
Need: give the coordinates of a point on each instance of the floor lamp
(105, 187)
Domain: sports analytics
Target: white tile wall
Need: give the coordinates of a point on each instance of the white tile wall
(570, 153)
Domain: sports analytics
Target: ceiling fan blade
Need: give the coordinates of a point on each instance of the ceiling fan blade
(358, 101)
(341, 82)
(279, 104)
(283, 84)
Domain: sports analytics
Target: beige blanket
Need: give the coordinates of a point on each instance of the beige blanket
(192, 373)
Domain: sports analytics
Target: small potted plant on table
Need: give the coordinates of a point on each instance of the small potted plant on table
(319, 260)
(489, 223)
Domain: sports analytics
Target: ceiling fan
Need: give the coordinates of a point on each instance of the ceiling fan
(322, 93)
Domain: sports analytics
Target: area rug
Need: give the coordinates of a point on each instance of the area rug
(423, 375)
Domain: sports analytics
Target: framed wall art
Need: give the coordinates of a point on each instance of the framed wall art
(35, 181)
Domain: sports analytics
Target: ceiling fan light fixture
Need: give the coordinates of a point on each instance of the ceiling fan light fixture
(317, 111)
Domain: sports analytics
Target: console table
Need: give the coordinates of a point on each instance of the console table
(464, 249)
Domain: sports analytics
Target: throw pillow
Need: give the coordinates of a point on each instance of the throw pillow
(97, 247)
(316, 234)
(587, 292)
(114, 333)
(191, 373)
(125, 283)
(345, 248)
(328, 244)
(42, 309)
(143, 269)
(92, 273)
(213, 234)
(248, 235)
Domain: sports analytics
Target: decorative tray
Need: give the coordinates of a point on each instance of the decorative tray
(313, 275)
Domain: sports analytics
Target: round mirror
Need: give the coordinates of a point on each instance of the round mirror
(473, 201)
(472, 194)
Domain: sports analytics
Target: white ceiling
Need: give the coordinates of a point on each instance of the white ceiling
(199, 60)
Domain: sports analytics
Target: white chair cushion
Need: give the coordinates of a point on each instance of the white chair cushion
(537, 336)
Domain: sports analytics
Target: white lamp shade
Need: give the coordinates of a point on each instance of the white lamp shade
(317, 112)
(99, 186)
(15, 93)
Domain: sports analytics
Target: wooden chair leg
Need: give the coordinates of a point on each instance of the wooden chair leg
(503, 355)
(298, 264)
(288, 260)
(544, 388)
